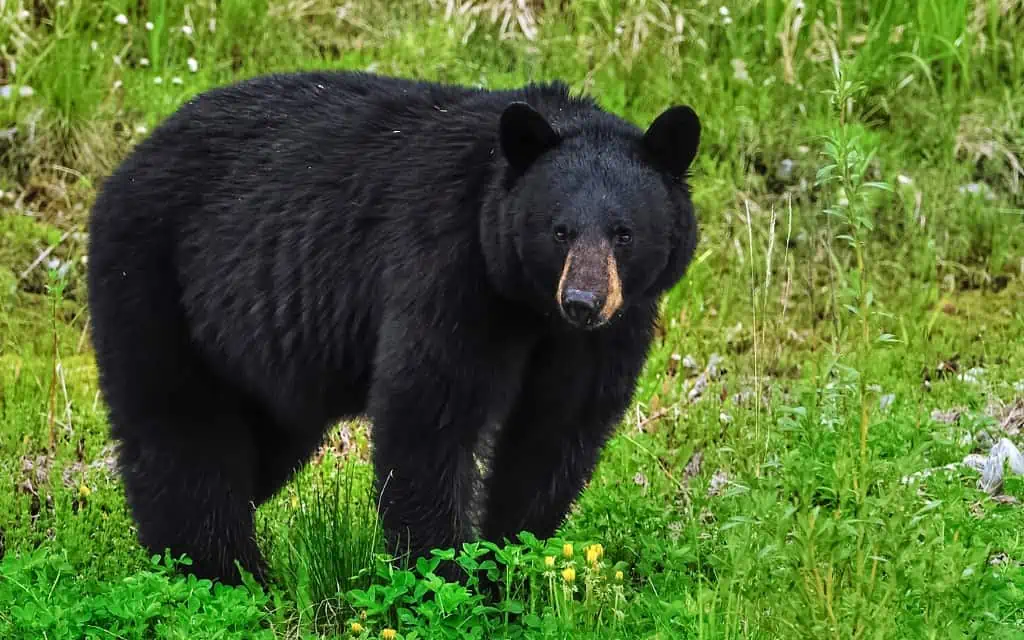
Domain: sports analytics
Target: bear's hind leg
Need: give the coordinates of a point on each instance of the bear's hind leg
(189, 484)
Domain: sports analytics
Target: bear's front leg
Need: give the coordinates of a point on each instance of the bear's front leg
(427, 405)
(574, 394)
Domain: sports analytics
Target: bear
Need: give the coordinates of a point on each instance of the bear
(459, 265)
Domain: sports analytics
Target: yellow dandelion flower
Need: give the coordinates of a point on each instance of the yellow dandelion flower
(295, 502)
(357, 628)
(618, 576)
(594, 553)
(549, 562)
(569, 574)
(388, 634)
(567, 550)
(84, 491)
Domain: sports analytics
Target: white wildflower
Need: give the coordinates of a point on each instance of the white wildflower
(121, 19)
(193, 65)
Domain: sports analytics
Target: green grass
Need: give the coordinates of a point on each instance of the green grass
(843, 259)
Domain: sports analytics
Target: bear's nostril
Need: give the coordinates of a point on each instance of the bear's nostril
(580, 306)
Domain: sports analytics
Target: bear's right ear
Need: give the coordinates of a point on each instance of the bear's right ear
(524, 134)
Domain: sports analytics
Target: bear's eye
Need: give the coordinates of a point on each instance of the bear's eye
(623, 236)
(561, 233)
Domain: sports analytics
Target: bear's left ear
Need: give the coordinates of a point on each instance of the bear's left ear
(673, 138)
(524, 134)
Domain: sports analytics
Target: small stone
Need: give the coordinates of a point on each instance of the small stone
(886, 401)
(972, 375)
(977, 189)
(975, 461)
(998, 559)
(640, 480)
(991, 481)
(785, 169)
(690, 364)
(718, 483)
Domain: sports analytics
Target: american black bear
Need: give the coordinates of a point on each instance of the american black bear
(295, 249)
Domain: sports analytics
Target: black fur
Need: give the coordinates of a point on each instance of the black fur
(296, 249)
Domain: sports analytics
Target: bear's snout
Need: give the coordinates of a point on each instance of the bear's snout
(590, 290)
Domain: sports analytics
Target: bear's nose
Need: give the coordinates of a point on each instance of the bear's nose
(580, 307)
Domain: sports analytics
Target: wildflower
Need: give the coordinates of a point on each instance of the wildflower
(388, 634)
(176, 80)
(84, 491)
(213, 25)
(158, 80)
(618, 576)
(187, 30)
(549, 562)
(117, 84)
(94, 45)
(594, 553)
(121, 19)
(567, 550)
(295, 502)
(357, 628)
(193, 65)
(149, 26)
(143, 62)
(569, 574)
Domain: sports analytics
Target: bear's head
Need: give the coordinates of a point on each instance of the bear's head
(599, 210)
